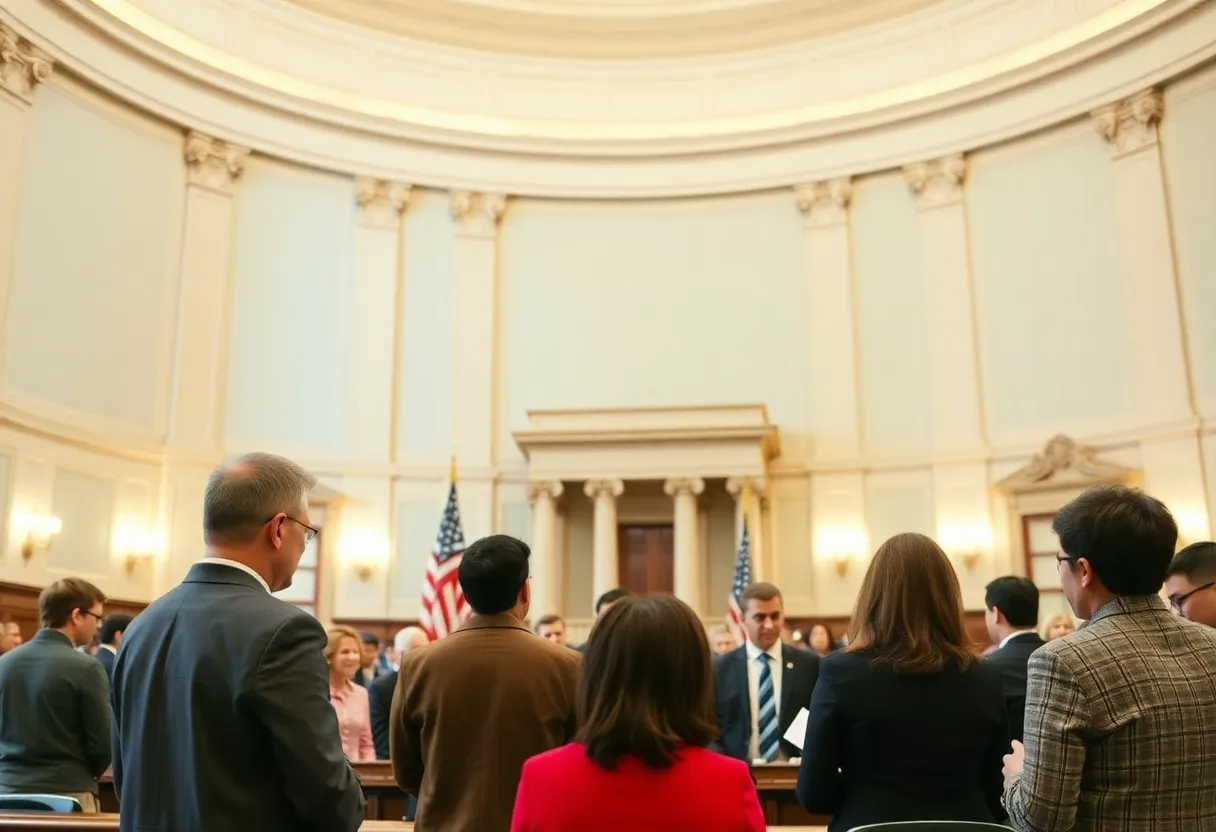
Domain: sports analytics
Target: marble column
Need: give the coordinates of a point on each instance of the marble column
(833, 386)
(689, 570)
(1157, 382)
(749, 496)
(546, 570)
(605, 562)
(945, 270)
(22, 68)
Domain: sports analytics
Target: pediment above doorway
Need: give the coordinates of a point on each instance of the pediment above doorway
(1064, 463)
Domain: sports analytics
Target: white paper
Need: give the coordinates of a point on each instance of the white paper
(796, 733)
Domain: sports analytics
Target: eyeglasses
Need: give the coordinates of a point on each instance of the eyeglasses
(1176, 601)
(309, 531)
(90, 612)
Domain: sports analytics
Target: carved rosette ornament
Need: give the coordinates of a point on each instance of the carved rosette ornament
(380, 202)
(23, 66)
(1130, 125)
(214, 164)
(938, 181)
(477, 214)
(824, 203)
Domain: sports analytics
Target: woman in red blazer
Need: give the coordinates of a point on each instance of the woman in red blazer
(639, 760)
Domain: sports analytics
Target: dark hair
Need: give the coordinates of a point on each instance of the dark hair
(59, 600)
(369, 638)
(1196, 563)
(546, 620)
(112, 626)
(760, 591)
(610, 597)
(1127, 537)
(909, 611)
(646, 683)
(1016, 597)
(492, 572)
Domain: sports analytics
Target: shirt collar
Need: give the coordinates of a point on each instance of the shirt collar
(753, 652)
(1014, 635)
(109, 647)
(237, 565)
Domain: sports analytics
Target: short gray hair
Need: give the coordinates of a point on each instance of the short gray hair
(245, 493)
(401, 641)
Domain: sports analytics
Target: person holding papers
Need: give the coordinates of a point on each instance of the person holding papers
(906, 723)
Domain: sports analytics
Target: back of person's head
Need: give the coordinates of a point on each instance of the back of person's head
(1196, 563)
(58, 601)
(242, 496)
(609, 598)
(493, 572)
(909, 611)
(113, 626)
(646, 683)
(410, 638)
(1016, 598)
(1126, 536)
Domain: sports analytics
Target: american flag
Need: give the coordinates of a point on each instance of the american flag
(443, 605)
(743, 577)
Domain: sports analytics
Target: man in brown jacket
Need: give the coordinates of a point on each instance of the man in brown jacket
(470, 708)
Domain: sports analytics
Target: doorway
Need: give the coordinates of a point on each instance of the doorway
(647, 557)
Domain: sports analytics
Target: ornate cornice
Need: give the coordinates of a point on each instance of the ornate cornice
(214, 164)
(938, 181)
(684, 485)
(23, 66)
(597, 488)
(1130, 125)
(825, 203)
(477, 214)
(380, 201)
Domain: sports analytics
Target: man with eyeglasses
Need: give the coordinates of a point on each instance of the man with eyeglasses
(54, 717)
(1190, 583)
(221, 692)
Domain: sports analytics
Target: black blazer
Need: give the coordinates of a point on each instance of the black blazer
(222, 714)
(732, 698)
(1011, 660)
(882, 747)
(107, 660)
(380, 700)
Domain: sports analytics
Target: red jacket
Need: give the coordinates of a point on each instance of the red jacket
(563, 791)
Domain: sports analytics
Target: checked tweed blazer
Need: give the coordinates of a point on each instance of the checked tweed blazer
(1120, 726)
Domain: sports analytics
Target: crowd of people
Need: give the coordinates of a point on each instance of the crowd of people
(224, 708)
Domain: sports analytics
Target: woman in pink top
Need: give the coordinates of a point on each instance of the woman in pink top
(344, 656)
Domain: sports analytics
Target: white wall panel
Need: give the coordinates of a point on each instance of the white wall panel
(898, 502)
(85, 504)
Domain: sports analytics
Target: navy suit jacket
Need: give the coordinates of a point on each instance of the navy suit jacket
(380, 700)
(107, 660)
(1011, 660)
(732, 698)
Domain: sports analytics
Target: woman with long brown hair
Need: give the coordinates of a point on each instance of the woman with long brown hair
(907, 722)
(640, 759)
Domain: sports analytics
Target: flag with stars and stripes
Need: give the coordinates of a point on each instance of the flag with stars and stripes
(443, 605)
(743, 577)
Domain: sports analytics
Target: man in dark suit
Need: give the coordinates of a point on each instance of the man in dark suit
(220, 692)
(1011, 611)
(380, 694)
(54, 720)
(470, 708)
(760, 687)
(111, 636)
(601, 606)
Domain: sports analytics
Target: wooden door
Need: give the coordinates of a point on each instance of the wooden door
(647, 558)
(1042, 548)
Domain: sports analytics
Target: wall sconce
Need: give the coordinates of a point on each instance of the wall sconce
(365, 552)
(966, 543)
(38, 531)
(841, 547)
(136, 546)
(1192, 524)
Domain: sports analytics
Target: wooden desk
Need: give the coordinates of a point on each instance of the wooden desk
(109, 823)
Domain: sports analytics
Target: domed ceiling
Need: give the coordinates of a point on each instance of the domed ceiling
(614, 29)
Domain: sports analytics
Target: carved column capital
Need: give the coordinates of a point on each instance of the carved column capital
(1130, 125)
(595, 488)
(380, 201)
(734, 486)
(684, 485)
(23, 66)
(937, 181)
(477, 214)
(214, 164)
(824, 203)
(549, 489)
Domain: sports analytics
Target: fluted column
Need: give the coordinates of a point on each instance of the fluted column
(1157, 382)
(689, 571)
(22, 67)
(954, 389)
(605, 564)
(546, 571)
(832, 391)
(749, 496)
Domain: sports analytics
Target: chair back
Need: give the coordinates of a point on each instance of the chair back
(39, 803)
(931, 826)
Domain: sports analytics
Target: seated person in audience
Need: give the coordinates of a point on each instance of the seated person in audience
(722, 640)
(54, 716)
(109, 639)
(639, 761)
(1058, 625)
(820, 640)
(1191, 583)
(343, 654)
(1120, 715)
(470, 708)
(603, 604)
(552, 628)
(760, 687)
(1011, 610)
(907, 722)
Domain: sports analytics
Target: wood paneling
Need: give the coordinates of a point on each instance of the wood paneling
(19, 602)
(647, 558)
(382, 628)
(838, 625)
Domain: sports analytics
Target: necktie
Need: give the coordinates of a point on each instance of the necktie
(766, 712)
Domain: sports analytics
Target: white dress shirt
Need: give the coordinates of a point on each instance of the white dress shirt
(235, 565)
(109, 647)
(1014, 635)
(775, 668)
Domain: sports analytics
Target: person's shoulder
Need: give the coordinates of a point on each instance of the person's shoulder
(385, 681)
(712, 762)
(731, 659)
(984, 671)
(844, 661)
(564, 758)
(799, 657)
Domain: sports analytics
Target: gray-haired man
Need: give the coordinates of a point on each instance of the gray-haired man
(220, 692)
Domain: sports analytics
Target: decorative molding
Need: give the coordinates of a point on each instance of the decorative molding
(684, 485)
(214, 164)
(381, 202)
(23, 66)
(1130, 125)
(734, 486)
(938, 181)
(1065, 463)
(477, 214)
(549, 489)
(825, 203)
(594, 488)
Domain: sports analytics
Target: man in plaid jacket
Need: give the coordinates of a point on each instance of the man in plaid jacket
(1120, 715)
